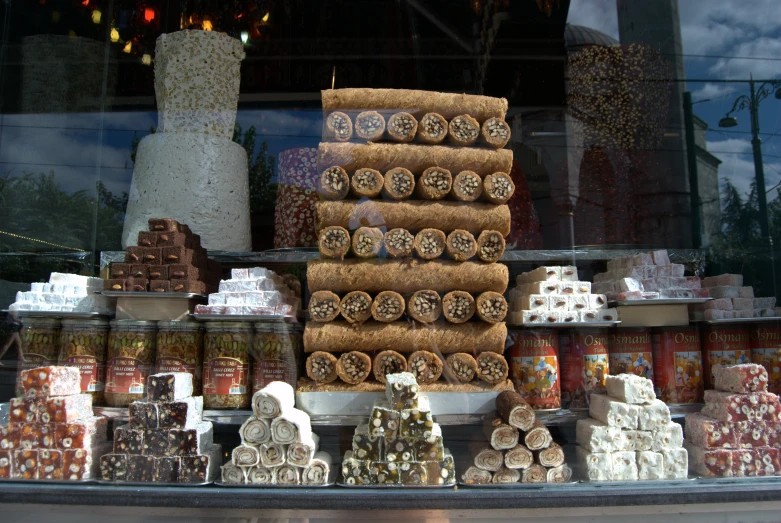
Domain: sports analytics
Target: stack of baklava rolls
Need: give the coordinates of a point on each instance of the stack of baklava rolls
(411, 224)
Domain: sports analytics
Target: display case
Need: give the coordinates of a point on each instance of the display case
(421, 259)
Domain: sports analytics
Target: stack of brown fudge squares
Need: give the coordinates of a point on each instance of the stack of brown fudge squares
(51, 432)
(168, 258)
(167, 440)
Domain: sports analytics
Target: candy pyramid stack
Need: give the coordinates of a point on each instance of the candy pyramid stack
(630, 435)
(278, 446)
(731, 299)
(167, 440)
(63, 293)
(410, 227)
(51, 432)
(738, 432)
(255, 291)
(401, 444)
(521, 449)
(168, 258)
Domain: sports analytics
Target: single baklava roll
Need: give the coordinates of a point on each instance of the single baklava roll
(402, 127)
(534, 474)
(399, 243)
(461, 245)
(458, 306)
(432, 128)
(490, 246)
(369, 125)
(334, 242)
(553, 456)
(367, 183)
(338, 126)
(388, 362)
(356, 307)
(430, 243)
(424, 306)
(491, 307)
(467, 186)
(388, 306)
(489, 459)
(367, 242)
(321, 367)
(425, 365)
(434, 184)
(492, 367)
(498, 188)
(495, 132)
(464, 130)
(399, 184)
(505, 475)
(461, 366)
(324, 306)
(518, 457)
(476, 476)
(353, 367)
(334, 183)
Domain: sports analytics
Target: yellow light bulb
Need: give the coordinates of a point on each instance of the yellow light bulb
(146, 59)
(128, 47)
(265, 17)
(207, 25)
(96, 14)
(114, 35)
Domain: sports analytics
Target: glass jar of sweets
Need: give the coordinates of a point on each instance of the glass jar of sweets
(180, 349)
(83, 344)
(131, 355)
(40, 339)
(226, 365)
(274, 348)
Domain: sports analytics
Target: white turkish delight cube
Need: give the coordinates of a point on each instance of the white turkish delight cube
(237, 285)
(660, 257)
(565, 287)
(675, 463)
(613, 412)
(638, 440)
(726, 292)
(668, 437)
(651, 284)
(533, 316)
(569, 273)
(545, 273)
(256, 273)
(630, 388)
(653, 416)
(589, 316)
(540, 287)
(217, 298)
(558, 302)
(597, 301)
(597, 466)
(264, 298)
(535, 302)
(235, 298)
(608, 314)
(650, 465)
(629, 284)
(36, 287)
(644, 258)
(240, 274)
(554, 316)
(578, 302)
(597, 436)
(624, 465)
(52, 299)
(650, 272)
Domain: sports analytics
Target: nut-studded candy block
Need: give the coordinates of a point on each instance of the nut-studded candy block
(597, 466)
(49, 464)
(172, 386)
(668, 437)
(25, 410)
(140, 468)
(726, 406)
(365, 446)
(413, 473)
(638, 440)
(25, 464)
(356, 471)
(596, 436)
(51, 381)
(751, 434)
(744, 378)
(36, 435)
(400, 449)
(190, 442)
(401, 390)
(415, 423)
(9, 436)
(653, 415)
(385, 473)
(136, 414)
(624, 466)
(6, 464)
(710, 462)
(67, 409)
(675, 463)
(155, 442)
(440, 472)
(128, 440)
(166, 469)
(613, 412)
(114, 467)
(774, 434)
(743, 463)
(180, 414)
(707, 432)
(650, 465)
(384, 420)
(630, 388)
(200, 469)
(81, 434)
(430, 449)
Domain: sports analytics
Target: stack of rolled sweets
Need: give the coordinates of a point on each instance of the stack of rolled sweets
(731, 300)
(648, 275)
(64, 293)
(521, 449)
(51, 433)
(630, 435)
(401, 444)
(554, 295)
(398, 209)
(278, 446)
(166, 439)
(168, 258)
(255, 291)
(738, 432)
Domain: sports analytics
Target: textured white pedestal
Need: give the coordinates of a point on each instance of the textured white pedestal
(194, 178)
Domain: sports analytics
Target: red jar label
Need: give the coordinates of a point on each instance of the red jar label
(174, 365)
(724, 346)
(584, 365)
(766, 351)
(534, 368)
(266, 371)
(631, 352)
(93, 372)
(127, 376)
(225, 376)
(678, 373)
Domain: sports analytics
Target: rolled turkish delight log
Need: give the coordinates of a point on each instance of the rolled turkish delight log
(232, 474)
(491, 307)
(461, 245)
(434, 184)
(369, 125)
(273, 399)
(489, 459)
(402, 127)
(476, 476)
(272, 455)
(538, 437)
(467, 186)
(388, 362)
(463, 130)
(300, 453)
(534, 474)
(321, 367)
(324, 306)
(559, 474)
(500, 435)
(261, 476)
(505, 475)
(415, 215)
(356, 307)
(495, 132)
(367, 242)
(334, 183)
(461, 367)
(245, 456)
(288, 475)
(492, 367)
(458, 306)
(416, 158)
(255, 431)
(398, 243)
(514, 410)
(741, 379)
(425, 366)
(334, 242)
(518, 457)
(429, 244)
(405, 337)
(398, 184)
(553, 456)
(388, 306)
(367, 183)
(498, 187)
(432, 128)
(424, 306)
(318, 470)
(490, 246)
(338, 126)
(51, 381)
(354, 367)
(291, 426)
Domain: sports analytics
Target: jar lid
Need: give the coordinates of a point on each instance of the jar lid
(85, 323)
(223, 325)
(179, 325)
(271, 326)
(40, 322)
(133, 323)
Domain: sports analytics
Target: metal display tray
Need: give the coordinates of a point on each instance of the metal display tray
(659, 301)
(733, 321)
(241, 317)
(515, 486)
(330, 483)
(404, 487)
(150, 295)
(151, 483)
(60, 314)
(571, 325)
(648, 483)
(50, 481)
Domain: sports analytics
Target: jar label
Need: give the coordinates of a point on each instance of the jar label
(724, 346)
(93, 373)
(31, 361)
(637, 363)
(127, 376)
(534, 368)
(584, 366)
(174, 365)
(225, 376)
(678, 374)
(266, 371)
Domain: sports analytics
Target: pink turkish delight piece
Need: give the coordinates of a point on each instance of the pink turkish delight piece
(650, 272)
(721, 304)
(660, 257)
(677, 270)
(631, 295)
(747, 377)
(725, 292)
(768, 461)
(51, 381)
(679, 294)
(764, 303)
(710, 462)
(701, 293)
(743, 304)
(705, 432)
(751, 434)
(712, 314)
(745, 292)
(644, 258)
(693, 283)
(731, 279)
(651, 284)
(629, 284)
(754, 406)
